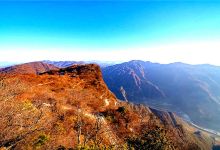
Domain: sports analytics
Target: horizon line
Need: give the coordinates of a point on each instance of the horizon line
(10, 63)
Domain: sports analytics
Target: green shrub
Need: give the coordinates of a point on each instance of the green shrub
(41, 140)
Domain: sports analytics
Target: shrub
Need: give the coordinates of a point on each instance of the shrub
(122, 110)
(41, 140)
(27, 105)
(61, 148)
(153, 139)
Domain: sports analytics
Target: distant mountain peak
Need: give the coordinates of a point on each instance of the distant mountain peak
(28, 68)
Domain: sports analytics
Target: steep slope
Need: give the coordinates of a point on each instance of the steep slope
(133, 79)
(29, 68)
(191, 91)
(73, 107)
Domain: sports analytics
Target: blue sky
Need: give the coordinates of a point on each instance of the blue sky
(158, 31)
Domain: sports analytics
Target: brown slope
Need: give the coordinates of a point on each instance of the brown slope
(28, 68)
(52, 107)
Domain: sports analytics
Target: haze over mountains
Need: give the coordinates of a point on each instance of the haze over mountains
(190, 90)
(109, 75)
(64, 64)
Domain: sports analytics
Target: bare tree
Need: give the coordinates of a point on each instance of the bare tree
(98, 130)
(92, 131)
(78, 125)
(2, 78)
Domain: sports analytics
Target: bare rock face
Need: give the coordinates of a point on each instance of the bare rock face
(89, 71)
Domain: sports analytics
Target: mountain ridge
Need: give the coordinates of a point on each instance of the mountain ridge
(27, 68)
(181, 85)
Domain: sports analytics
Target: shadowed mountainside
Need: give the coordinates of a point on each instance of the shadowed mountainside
(190, 90)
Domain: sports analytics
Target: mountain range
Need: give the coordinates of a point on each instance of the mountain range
(192, 91)
(64, 64)
(72, 108)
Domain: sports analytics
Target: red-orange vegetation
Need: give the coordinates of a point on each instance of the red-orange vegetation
(73, 107)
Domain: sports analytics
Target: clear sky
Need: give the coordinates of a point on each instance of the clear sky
(157, 31)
